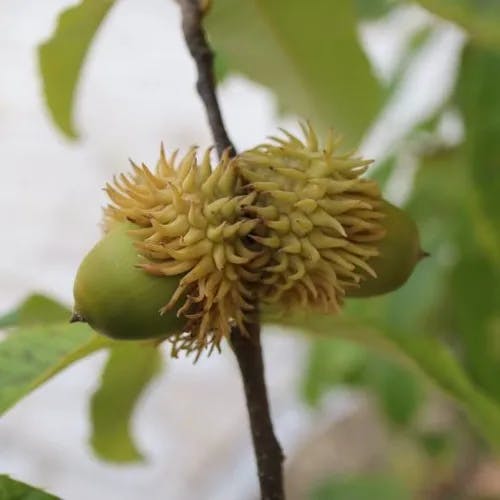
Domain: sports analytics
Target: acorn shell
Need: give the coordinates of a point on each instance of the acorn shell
(399, 253)
(118, 299)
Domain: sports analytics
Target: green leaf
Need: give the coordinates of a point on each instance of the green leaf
(397, 390)
(464, 309)
(36, 309)
(427, 355)
(475, 295)
(480, 18)
(373, 8)
(40, 309)
(221, 69)
(434, 359)
(479, 100)
(62, 56)
(331, 362)
(309, 55)
(9, 319)
(130, 368)
(10, 489)
(475, 282)
(34, 354)
(436, 443)
(366, 487)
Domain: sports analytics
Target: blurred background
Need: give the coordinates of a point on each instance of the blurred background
(397, 399)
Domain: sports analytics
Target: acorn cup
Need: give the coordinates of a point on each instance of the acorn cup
(192, 250)
(321, 220)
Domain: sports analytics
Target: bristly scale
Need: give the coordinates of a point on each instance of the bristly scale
(193, 223)
(321, 220)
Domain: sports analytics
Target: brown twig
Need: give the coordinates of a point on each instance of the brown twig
(192, 17)
(247, 348)
(268, 452)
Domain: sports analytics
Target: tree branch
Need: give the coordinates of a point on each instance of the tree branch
(196, 41)
(247, 348)
(268, 452)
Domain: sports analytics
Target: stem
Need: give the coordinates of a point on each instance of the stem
(268, 452)
(247, 348)
(194, 34)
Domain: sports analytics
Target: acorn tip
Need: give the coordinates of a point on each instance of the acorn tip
(77, 318)
(422, 254)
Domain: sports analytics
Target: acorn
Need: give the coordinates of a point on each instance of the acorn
(189, 229)
(398, 254)
(118, 299)
(320, 220)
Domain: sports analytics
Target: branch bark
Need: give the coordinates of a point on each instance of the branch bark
(196, 40)
(268, 451)
(247, 348)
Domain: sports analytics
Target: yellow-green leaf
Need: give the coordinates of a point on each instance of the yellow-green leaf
(480, 18)
(10, 489)
(375, 486)
(9, 319)
(62, 56)
(130, 368)
(32, 355)
(427, 355)
(478, 97)
(36, 309)
(307, 53)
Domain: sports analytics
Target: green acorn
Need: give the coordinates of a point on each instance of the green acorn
(181, 251)
(118, 299)
(399, 253)
(319, 219)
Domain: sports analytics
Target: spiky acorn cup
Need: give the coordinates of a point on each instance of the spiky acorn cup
(321, 221)
(192, 223)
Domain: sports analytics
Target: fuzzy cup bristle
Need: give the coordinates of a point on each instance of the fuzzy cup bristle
(192, 223)
(320, 220)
